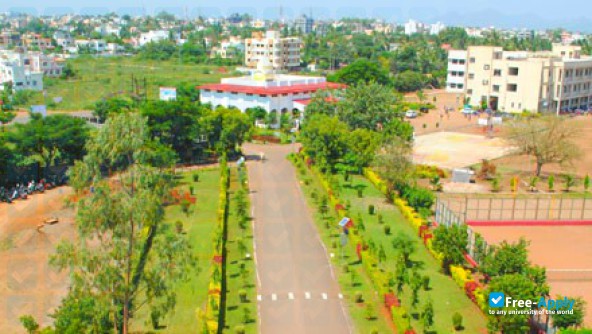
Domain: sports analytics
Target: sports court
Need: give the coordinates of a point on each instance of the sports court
(566, 252)
(454, 150)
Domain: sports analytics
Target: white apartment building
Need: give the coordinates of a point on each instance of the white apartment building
(412, 27)
(547, 81)
(436, 28)
(93, 45)
(153, 36)
(457, 66)
(21, 78)
(63, 39)
(281, 53)
(228, 48)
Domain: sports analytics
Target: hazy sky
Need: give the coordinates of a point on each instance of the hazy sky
(518, 13)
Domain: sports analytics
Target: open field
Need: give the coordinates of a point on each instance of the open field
(199, 226)
(28, 285)
(98, 78)
(564, 250)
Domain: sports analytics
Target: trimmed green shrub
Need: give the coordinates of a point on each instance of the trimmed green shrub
(242, 294)
(358, 297)
(371, 209)
(457, 320)
(425, 282)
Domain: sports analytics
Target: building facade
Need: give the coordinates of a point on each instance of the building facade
(515, 81)
(304, 24)
(281, 53)
(278, 93)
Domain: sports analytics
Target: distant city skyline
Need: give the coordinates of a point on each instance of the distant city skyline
(569, 14)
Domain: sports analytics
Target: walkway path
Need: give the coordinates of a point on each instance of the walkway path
(297, 289)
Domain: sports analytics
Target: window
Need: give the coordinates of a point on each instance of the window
(472, 60)
(485, 82)
(486, 67)
(496, 88)
(461, 74)
(461, 61)
(460, 86)
(497, 73)
(513, 71)
(452, 85)
(471, 75)
(512, 88)
(469, 91)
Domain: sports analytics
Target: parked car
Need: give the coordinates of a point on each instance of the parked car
(411, 114)
(469, 111)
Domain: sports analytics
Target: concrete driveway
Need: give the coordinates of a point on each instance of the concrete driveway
(297, 290)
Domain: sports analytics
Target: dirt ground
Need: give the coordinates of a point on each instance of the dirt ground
(453, 150)
(28, 285)
(564, 250)
(437, 119)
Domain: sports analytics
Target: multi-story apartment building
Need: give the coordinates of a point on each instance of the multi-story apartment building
(11, 71)
(36, 41)
(457, 66)
(9, 38)
(282, 53)
(546, 81)
(304, 24)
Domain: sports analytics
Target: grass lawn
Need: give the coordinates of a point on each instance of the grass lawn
(240, 270)
(345, 263)
(97, 78)
(446, 296)
(199, 226)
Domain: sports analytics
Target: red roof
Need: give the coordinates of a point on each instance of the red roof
(306, 102)
(271, 90)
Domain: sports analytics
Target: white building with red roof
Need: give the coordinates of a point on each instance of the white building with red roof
(272, 92)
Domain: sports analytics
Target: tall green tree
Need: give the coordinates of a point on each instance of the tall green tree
(45, 140)
(368, 106)
(105, 107)
(126, 256)
(452, 243)
(393, 163)
(324, 140)
(507, 258)
(572, 320)
(226, 128)
(362, 71)
(517, 287)
(175, 124)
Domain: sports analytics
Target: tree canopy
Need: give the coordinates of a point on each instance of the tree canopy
(126, 256)
(362, 71)
(47, 140)
(549, 139)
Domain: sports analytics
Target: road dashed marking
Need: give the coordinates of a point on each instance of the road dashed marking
(292, 296)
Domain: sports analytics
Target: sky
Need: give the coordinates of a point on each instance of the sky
(570, 14)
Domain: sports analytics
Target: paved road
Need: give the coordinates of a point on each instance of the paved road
(297, 290)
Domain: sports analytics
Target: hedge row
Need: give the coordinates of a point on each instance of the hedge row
(379, 278)
(215, 287)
